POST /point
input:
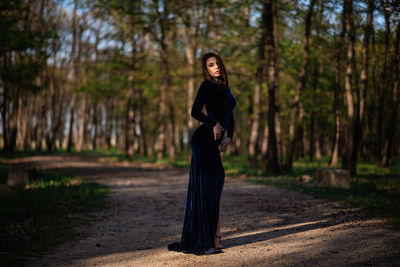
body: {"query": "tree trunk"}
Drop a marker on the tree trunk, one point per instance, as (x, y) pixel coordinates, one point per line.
(171, 124)
(394, 104)
(57, 112)
(273, 164)
(278, 127)
(370, 146)
(348, 162)
(81, 124)
(312, 116)
(109, 113)
(4, 113)
(300, 133)
(166, 119)
(264, 145)
(192, 21)
(95, 119)
(190, 120)
(299, 88)
(384, 81)
(71, 125)
(361, 94)
(22, 121)
(254, 128)
(129, 121)
(311, 138)
(334, 160)
(42, 122)
(365, 59)
(140, 114)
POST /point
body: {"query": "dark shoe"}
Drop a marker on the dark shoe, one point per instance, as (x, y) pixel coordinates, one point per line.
(212, 251)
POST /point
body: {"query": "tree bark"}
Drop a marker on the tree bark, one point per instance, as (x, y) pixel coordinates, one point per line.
(4, 108)
(81, 124)
(299, 88)
(130, 104)
(383, 86)
(70, 143)
(348, 161)
(362, 92)
(95, 122)
(140, 114)
(394, 105)
(255, 122)
(109, 111)
(166, 117)
(191, 19)
(129, 121)
(273, 164)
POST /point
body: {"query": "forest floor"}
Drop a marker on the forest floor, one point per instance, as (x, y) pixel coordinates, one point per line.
(261, 225)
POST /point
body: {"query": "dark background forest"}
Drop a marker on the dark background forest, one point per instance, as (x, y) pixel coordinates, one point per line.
(312, 79)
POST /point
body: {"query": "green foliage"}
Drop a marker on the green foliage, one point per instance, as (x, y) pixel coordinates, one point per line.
(105, 80)
(38, 215)
(27, 45)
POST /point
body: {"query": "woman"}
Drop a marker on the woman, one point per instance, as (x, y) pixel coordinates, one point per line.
(201, 228)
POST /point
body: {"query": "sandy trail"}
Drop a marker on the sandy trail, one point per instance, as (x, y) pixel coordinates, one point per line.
(261, 225)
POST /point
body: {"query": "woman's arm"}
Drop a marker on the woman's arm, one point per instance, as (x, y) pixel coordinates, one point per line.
(202, 95)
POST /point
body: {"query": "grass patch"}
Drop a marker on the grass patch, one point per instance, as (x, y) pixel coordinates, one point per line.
(366, 195)
(38, 215)
(115, 155)
(377, 188)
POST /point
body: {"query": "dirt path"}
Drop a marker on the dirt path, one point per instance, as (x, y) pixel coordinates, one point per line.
(261, 225)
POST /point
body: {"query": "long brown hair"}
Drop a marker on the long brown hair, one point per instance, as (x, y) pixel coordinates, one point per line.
(223, 78)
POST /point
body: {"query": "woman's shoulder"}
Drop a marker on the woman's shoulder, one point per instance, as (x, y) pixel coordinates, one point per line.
(205, 88)
(206, 82)
(208, 86)
(212, 84)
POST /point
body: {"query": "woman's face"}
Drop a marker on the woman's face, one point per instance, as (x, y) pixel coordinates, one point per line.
(212, 67)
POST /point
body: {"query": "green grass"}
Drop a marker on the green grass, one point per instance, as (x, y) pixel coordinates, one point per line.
(115, 155)
(36, 215)
(27, 153)
(365, 194)
(376, 189)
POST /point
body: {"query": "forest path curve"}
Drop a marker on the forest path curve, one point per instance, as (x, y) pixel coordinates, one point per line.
(261, 225)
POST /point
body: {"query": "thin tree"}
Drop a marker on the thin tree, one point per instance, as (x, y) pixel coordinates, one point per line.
(394, 104)
(299, 88)
(348, 162)
(273, 164)
(261, 66)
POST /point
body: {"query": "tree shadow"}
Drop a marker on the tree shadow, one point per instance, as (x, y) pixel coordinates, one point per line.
(268, 235)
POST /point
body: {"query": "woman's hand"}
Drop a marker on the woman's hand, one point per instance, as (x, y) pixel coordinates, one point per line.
(217, 131)
(224, 144)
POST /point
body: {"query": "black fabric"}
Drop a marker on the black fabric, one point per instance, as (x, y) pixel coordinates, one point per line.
(207, 175)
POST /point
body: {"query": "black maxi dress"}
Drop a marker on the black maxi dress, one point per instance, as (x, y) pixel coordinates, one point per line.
(207, 175)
